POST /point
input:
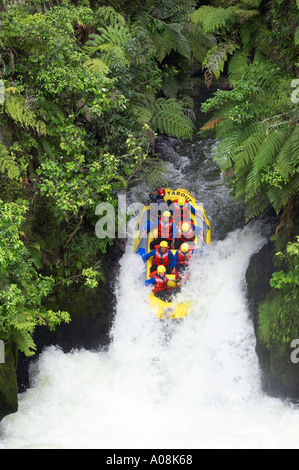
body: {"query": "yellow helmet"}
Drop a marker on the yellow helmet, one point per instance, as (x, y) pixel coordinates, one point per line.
(185, 247)
(161, 269)
(181, 201)
(164, 244)
(166, 214)
(185, 226)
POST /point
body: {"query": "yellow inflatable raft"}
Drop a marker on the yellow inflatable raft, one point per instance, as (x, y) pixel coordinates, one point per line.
(161, 307)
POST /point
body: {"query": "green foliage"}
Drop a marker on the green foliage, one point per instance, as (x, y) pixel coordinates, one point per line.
(120, 45)
(215, 60)
(258, 127)
(213, 19)
(111, 42)
(8, 164)
(22, 113)
(279, 314)
(281, 279)
(87, 89)
(22, 288)
(166, 116)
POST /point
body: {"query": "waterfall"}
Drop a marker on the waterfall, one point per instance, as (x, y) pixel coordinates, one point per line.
(190, 384)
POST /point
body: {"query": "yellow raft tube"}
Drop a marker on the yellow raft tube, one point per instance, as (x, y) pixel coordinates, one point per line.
(162, 308)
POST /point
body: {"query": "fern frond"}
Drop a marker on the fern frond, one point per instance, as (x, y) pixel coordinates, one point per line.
(97, 66)
(170, 87)
(200, 41)
(212, 124)
(245, 15)
(212, 18)
(107, 15)
(143, 114)
(288, 157)
(8, 164)
(111, 42)
(268, 151)
(170, 119)
(244, 154)
(164, 115)
(177, 12)
(252, 3)
(19, 110)
(216, 58)
(167, 37)
(238, 66)
(255, 206)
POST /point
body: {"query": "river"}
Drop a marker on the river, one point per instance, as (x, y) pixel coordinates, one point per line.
(188, 385)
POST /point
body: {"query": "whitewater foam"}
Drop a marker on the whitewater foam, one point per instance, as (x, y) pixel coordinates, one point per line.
(192, 384)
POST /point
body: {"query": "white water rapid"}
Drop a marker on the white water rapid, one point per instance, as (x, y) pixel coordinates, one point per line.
(188, 385)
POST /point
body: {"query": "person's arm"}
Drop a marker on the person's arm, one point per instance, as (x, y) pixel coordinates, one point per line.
(199, 231)
(149, 226)
(150, 281)
(198, 214)
(148, 255)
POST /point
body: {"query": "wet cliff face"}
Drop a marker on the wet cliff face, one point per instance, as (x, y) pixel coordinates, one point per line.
(8, 382)
(280, 375)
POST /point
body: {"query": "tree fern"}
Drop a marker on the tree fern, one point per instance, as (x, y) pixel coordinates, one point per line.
(166, 116)
(110, 42)
(177, 12)
(200, 41)
(8, 164)
(97, 66)
(107, 15)
(238, 66)
(170, 119)
(215, 60)
(215, 19)
(20, 111)
(265, 157)
(164, 38)
(288, 157)
(245, 153)
(212, 18)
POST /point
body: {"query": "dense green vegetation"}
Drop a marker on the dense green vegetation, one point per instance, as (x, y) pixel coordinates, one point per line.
(89, 84)
(257, 123)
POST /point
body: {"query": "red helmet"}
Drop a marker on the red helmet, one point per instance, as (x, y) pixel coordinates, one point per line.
(161, 192)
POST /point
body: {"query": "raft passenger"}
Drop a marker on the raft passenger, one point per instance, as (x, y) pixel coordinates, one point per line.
(162, 255)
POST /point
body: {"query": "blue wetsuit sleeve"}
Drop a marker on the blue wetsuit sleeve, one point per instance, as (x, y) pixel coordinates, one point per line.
(174, 260)
(153, 225)
(148, 255)
(150, 281)
(149, 225)
(146, 226)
